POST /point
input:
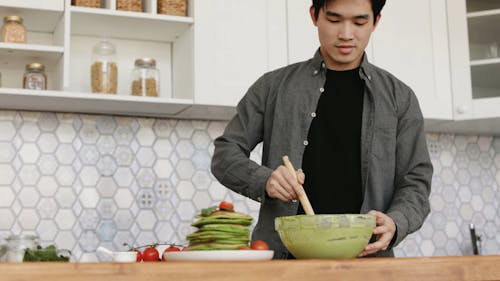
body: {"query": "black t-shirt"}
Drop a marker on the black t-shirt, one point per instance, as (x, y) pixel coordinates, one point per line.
(332, 161)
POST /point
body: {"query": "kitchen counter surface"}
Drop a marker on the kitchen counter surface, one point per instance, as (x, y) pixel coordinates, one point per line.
(374, 269)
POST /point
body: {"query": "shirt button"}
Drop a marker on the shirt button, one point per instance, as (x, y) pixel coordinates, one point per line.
(315, 72)
(306, 142)
(259, 199)
(369, 78)
(313, 114)
(321, 90)
(323, 65)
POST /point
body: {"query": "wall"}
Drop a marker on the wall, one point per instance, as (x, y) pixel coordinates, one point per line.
(85, 181)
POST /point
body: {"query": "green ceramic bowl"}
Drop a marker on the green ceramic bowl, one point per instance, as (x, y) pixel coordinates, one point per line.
(325, 236)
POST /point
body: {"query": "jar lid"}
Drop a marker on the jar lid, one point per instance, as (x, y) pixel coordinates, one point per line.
(13, 18)
(35, 66)
(147, 62)
(22, 237)
(104, 48)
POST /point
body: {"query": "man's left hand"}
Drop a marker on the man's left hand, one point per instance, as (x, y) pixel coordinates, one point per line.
(384, 231)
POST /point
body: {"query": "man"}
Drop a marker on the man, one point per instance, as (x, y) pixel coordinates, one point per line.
(356, 131)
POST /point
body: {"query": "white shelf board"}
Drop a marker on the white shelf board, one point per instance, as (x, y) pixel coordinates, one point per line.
(483, 13)
(34, 19)
(16, 56)
(485, 61)
(57, 101)
(113, 23)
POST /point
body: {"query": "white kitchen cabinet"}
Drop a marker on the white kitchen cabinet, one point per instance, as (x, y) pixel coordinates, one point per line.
(411, 42)
(474, 32)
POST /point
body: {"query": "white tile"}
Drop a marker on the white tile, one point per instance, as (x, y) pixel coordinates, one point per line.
(28, 197)
(202, 200)
(47, 186)
(123, 135)
(89, 197)
(89, 219)
(6, 196)
(47, 164)
(164, 210)
(65, 175)
(47, 230)
(65, 133)
(163, 148)
(146, 219)
(145, 136)
(89, 176)
(7, 174)
(89, 154)
(65, 154)
(7, 131)
(29, 131)
(7, 219)
(29, 175)
(185, 190)
(185, 149)
(164, 127)
(47, 143)
(48, 121)
(7, 152)
(47, 208)
(106, 187)
(105, 124)
(123, 219)
(185, 169)
(65, 219)
(216, 128)
(146, 178)
(123, 177)
(146, 157)
(106, 144)
(186, 210)
(123, 198)
(163, 168)
(65, 240)
(201, 139)
(217, 191)
(123, 156)
(165, 232)
(65, 197)
(184, 129)
(107, 165)
(28, 219)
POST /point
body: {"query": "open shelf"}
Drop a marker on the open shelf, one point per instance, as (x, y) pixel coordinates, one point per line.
(59, 101)
(113, 23)
(44, 18)
(16, 56)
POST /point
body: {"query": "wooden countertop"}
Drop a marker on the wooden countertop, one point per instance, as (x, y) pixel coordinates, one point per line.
(372, 269)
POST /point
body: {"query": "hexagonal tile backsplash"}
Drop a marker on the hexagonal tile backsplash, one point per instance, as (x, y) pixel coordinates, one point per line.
(81, 181)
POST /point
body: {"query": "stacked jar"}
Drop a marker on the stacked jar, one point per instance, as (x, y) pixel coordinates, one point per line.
(13, 30)
(104, 71)
(145, 78)
(34, 78)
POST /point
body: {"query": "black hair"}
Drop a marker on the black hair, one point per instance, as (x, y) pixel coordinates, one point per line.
(377, 6)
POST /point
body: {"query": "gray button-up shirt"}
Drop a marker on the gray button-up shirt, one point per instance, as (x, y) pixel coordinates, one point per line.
(278, 109)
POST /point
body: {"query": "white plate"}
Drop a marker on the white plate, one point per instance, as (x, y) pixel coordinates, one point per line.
(220, 255)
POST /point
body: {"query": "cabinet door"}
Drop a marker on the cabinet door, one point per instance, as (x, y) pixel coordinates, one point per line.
(474, 28)
(411, 43)
(231, 42)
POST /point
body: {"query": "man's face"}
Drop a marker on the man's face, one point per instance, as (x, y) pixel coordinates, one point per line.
(344, 29)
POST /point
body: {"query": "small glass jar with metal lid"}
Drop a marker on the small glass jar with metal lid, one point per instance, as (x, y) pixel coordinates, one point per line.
(34, 77)
(145, 78)
(13, 30)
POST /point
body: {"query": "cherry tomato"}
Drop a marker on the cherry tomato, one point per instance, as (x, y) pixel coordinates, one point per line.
(150, 254)
(259, 245)
(224, 205)
(172, 248)
(139, 256)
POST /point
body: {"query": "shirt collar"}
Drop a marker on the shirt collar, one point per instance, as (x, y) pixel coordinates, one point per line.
(366, 68)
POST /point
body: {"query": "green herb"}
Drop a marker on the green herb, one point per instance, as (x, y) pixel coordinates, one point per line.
(44, 254)
(208, 211)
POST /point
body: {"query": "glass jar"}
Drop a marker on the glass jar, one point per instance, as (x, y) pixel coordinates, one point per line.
(104, 71)
(17, 245)
(145, 78)
(13, 30)
(34, 78)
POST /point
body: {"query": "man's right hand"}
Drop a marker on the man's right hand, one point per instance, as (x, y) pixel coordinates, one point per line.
(282, 184)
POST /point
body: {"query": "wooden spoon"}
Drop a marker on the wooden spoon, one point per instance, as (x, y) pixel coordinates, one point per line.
(302, 194)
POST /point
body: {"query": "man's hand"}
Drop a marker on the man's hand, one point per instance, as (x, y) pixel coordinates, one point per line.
(282, 184)
(384, 230)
